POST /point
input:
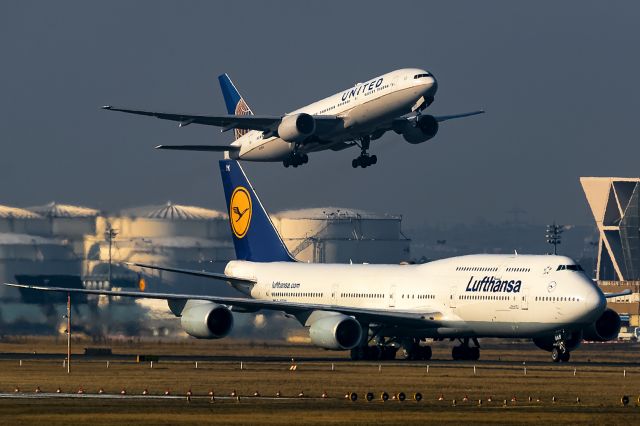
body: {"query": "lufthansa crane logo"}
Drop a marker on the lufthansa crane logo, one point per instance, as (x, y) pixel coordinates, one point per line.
(240, 211)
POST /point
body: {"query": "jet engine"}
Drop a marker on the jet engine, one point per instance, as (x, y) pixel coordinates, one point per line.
(296, 128)
(338, 332)
(605, 328)
(425, 128)
(206, 320)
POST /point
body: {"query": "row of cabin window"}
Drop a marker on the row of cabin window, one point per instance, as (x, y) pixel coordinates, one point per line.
(482, 297)
(557, 299)
(363, 295)
(476, 268)
(295, 294)
(420, 296)
(518, 270)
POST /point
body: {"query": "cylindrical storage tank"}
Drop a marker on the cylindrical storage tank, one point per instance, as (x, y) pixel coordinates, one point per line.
(68, 221)
(340, 235)
(22, 221)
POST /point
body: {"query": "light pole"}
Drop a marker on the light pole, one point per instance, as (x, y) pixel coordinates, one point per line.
(554, 235)
(110, 234)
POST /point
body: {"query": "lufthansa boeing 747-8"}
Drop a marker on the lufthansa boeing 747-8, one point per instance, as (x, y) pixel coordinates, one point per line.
(374, 310)
(352, 117)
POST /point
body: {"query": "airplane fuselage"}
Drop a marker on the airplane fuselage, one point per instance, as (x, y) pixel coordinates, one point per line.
(475, 296)
(363, 108)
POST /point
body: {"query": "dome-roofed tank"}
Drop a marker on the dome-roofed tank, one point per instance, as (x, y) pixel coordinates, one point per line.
(68, 221)
(57, 210)
(336, 234)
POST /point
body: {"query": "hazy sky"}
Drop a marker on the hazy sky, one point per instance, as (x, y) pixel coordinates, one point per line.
(559, 82)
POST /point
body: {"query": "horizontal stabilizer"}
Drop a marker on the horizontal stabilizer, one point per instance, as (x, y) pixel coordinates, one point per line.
(211, 148)
(194, 272)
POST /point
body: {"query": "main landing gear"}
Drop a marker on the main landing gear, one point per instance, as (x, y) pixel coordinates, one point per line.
(466, 352)
(296, 160)
(364, 160)
(373, 353)
(411, 350)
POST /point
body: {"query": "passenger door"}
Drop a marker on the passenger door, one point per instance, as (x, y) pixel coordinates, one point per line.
(392, 296)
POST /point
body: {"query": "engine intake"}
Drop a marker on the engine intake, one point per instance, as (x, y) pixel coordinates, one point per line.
(296, 128)
(605, 328)
(425, 128)
(338, 332)
(206, 320)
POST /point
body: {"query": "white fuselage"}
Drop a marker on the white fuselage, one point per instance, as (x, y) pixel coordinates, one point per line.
(467, 296)
(364, 108)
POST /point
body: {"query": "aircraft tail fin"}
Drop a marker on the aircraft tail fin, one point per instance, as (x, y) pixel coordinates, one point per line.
(254, 236)
(234, 101)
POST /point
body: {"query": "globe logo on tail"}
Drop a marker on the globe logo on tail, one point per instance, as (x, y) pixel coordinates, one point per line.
(240, 211)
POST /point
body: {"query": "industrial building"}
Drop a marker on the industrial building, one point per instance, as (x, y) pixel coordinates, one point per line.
(60, 244)
(615, 204)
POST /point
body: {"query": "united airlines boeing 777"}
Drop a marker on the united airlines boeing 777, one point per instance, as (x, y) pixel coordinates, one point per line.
(374, 310)
(354, 116)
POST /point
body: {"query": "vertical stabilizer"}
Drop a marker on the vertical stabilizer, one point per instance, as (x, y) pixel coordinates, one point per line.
(235, 103)
(254, 236)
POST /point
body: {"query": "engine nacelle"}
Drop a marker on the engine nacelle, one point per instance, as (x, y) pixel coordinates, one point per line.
(206, 320)
(571, 343)
(296, 128)
(338, 332)
(426, 128)
(605, 328)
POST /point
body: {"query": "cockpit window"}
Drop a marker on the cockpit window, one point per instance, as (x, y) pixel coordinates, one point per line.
(421, 75)
(569, 268)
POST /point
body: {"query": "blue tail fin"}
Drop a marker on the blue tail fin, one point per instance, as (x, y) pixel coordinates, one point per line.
(254, 236)
(236, 104)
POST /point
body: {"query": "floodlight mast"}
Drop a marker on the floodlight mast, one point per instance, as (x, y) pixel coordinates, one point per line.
(554, 235)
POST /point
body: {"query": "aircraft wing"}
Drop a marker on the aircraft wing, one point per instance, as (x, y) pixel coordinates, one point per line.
(398, 318)
(441, 118)
(621, 293)
(265, 123)
(249, 122)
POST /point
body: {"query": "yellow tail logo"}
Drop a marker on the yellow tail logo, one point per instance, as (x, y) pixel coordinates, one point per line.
(240, 211)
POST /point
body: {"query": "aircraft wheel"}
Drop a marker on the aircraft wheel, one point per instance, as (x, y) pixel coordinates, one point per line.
(564, 357)
(555, 355)
(456, 353)
(374, 159)
(354, 163)
(425, 353)
(374, 352)
(474, 354)
(305, 159)
(357, 354)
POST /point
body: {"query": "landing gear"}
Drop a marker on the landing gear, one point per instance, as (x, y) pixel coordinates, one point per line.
(559, 354)
(466, 352)
(412, 350)
(560, 351)
(364, 160)
(373, 353)
(296, 160)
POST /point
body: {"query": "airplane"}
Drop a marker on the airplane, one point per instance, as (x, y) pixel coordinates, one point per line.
(375, 310)
(352, 117)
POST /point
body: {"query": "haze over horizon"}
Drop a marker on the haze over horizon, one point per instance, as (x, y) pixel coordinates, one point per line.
(558, 82)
